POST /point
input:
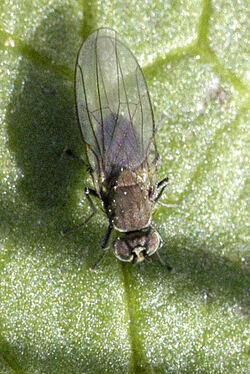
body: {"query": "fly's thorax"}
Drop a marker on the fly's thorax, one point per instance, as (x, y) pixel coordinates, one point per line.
(137, 246)
(129, 203)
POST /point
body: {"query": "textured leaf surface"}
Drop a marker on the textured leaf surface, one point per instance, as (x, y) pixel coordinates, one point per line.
(56, 316)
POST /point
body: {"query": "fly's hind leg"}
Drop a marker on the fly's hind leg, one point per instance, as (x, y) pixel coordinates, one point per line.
(67, 151)
(88, 192)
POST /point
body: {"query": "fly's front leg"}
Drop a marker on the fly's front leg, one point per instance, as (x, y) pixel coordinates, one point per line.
(166, 265)
(104, 246)
(107, 236)
(88, 192)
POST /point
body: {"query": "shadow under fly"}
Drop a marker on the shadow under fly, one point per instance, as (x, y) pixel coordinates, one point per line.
(117, 124)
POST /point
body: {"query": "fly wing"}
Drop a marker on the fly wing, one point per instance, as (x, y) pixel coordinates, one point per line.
(113, 105)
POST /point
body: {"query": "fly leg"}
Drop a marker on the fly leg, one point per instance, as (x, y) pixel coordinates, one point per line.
(88, 192)
(163, 262)
(67, 151)
(104, 247)
(162, 185)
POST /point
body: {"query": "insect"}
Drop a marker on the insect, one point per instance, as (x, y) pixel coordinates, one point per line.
(117, 124)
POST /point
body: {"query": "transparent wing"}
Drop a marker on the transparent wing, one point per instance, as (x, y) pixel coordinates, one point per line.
(113, 105)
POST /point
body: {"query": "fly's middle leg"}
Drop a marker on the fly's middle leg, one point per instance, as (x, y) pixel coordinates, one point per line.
(88, 192)
(161, 186)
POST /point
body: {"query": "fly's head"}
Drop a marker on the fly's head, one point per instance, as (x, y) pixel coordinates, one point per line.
(137, 246)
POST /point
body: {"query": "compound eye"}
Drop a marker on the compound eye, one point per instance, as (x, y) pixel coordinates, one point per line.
(122, 250)
(153, 242)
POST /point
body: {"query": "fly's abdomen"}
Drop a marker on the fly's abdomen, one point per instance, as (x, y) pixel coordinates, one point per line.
(113, 105)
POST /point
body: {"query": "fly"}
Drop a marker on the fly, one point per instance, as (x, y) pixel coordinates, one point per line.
(117, 124)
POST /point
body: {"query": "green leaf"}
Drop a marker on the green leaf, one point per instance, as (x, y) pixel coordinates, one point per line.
(56, 315)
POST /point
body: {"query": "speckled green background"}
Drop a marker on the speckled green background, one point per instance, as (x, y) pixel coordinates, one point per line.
(56, 316)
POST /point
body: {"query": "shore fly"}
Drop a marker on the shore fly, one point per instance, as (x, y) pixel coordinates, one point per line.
(117, 124)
